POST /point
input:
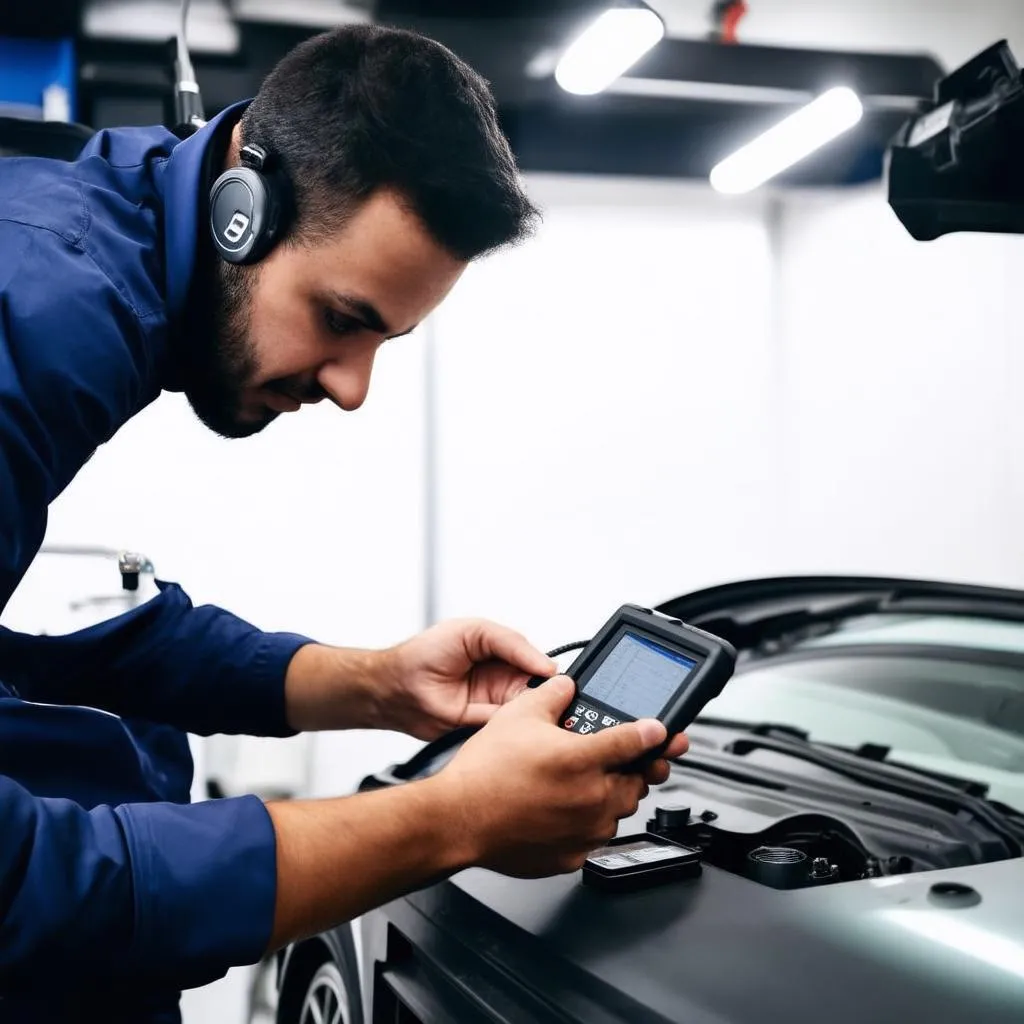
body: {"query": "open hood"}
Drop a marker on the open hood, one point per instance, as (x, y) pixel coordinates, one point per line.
(751, 613)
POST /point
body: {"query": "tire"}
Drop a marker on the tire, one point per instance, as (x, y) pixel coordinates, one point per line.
(316, 989)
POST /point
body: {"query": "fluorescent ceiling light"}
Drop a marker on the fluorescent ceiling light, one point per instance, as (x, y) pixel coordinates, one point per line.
(610, 46)
(308, 13)
(792, 139)
(210, 28)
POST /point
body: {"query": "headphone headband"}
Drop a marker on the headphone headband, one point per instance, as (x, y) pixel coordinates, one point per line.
(253, 156)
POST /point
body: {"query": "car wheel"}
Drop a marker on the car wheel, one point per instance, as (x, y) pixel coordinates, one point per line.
(315, 989)
(326, 1000)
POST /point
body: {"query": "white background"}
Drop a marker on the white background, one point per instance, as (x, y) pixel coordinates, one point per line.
(662, 391)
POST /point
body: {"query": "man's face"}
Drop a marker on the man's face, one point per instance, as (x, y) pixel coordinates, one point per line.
(305, 323)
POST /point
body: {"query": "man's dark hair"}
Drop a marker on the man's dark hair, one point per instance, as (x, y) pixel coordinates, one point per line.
(364, 107)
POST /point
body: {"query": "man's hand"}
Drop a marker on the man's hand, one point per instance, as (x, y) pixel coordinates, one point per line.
(522, 796)
(456, 673)
(535, 799)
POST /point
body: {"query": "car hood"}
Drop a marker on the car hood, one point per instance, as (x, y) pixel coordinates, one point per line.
(751, 611)
(942, 943)
(728, 948)
(722, 948)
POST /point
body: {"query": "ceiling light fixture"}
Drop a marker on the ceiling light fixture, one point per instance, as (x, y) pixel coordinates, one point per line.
(813, 126)
(211, 29)
(612, 44)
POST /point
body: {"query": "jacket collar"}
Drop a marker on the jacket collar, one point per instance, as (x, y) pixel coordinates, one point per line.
(190, 172)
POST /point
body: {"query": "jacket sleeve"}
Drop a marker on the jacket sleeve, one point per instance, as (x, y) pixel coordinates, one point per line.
(71, 373)
(141, 893)
(200, 669)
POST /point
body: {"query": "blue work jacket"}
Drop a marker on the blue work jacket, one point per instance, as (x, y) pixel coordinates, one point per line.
(115, 891)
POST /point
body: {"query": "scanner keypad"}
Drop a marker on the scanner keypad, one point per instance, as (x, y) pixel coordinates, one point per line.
(584, 719)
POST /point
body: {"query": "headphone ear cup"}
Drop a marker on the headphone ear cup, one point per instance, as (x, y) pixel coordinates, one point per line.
(244, 215)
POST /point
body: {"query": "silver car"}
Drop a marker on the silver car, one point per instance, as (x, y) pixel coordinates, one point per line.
(856, 795)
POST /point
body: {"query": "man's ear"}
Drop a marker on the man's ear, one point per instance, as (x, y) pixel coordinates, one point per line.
(234, 147)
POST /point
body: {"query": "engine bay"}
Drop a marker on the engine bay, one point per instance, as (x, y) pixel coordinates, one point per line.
(788, 815)
(800, 852)
(790, 824)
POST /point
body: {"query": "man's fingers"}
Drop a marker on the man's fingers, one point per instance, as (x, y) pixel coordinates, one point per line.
(679, 746)
(479, 714)
(622, 744)
(629, 790)
(657, 772)
(486, 640)
(547, 701)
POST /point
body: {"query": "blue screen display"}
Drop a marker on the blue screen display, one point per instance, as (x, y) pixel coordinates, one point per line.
(638, 676)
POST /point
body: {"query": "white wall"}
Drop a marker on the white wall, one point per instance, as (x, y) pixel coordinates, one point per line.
(901, 364)
(605, 429)
(665, 390)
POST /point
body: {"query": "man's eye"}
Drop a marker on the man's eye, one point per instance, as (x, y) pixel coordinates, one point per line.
(340, 324)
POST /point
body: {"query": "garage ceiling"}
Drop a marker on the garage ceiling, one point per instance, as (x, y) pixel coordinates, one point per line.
(678, 111)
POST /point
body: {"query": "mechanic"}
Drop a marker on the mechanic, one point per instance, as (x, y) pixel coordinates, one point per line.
(115, 891)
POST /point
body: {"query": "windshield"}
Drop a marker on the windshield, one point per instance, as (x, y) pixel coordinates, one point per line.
(947, 630)
(953, 714)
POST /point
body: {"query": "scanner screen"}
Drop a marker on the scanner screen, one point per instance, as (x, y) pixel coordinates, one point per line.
(638, 676)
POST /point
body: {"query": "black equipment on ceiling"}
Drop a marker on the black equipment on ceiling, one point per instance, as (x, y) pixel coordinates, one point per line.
(957, 166)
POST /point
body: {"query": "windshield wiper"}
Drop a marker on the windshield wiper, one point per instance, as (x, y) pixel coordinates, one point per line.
(869, 751)
(755, 728)
(884, 777)
(880, 754)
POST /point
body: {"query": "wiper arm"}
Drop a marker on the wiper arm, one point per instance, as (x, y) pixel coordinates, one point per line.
(934, 793)
(693, 762)
(869, 751)
(880, 753)
(755, 728)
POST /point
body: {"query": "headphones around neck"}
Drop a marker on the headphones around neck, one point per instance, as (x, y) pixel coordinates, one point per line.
(249, 207)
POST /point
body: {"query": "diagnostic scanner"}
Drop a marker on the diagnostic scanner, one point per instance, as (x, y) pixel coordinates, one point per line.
(645, 665)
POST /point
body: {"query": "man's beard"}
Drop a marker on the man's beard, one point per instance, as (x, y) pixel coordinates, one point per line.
(223, 363)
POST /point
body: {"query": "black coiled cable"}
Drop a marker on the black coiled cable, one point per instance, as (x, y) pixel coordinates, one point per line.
(564, 649)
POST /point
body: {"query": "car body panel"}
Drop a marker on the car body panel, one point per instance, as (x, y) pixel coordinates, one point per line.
(723, 948)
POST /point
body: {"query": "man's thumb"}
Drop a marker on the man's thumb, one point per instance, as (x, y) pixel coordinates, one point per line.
(623, 744)
(550, 699)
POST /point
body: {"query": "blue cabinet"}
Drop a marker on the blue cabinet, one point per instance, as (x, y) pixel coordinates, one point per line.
(37, 78)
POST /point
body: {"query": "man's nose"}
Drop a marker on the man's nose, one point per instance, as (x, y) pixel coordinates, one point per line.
(347, 380)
